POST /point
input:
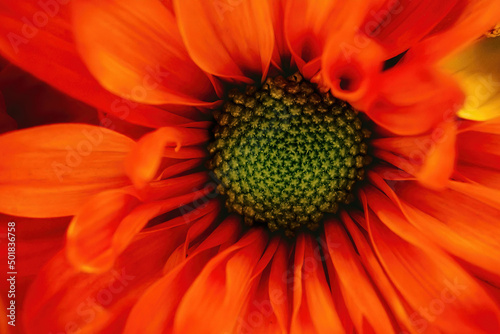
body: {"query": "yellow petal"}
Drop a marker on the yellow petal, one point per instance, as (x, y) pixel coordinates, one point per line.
(478, 72)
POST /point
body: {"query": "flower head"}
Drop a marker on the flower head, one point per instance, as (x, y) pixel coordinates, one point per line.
(340, 132)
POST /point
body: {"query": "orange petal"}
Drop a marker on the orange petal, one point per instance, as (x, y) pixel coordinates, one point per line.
(489, 178)
(62, 297)
(48, 51)
(281, 56)
(481, 149)
(362, 301)
(430, 158)
(443, 294)
(257, 314)
(466, 23)
(352, 61)
(134, 49)
(36, 243)
(300, 321)
(479, 192)
(168, 4)
(224, 238)
(143, 162)
(50, 171)
(440, 162)
(313, 307)
(106, 225)
(410, 100)
(435, 214)
(398, 25)
(201, 220)
(351, 74)
(221, 288)
(278, 287)
(266, 258)
(230, 39)
(180, 167)
(167, 292)
(339, 302)
(86, 236)
(398, 306)
(303, 36)
(308, 24)
(171, 187)
(209, 213)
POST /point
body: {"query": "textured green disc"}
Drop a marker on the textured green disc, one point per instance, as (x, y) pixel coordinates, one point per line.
(286, 154)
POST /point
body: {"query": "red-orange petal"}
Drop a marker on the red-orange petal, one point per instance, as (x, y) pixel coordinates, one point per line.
(106, 225)
(350, 74)
(50, 171)
(281, 55)
(430, 158)
(134, 49)
(279, 296)
(479, 148)
(435, 214)
(306, 31)
(36, 243)
(444, 295)
(486, 177)
(222, 288)
(466, 22)
(313, 307)
(311, 25)
(440, 162)
(168, 291)
(230, 39)
(63, 298)
(399, 25)
(398, 307)
(257, 314)
(48, 51)
(410, 100)
(144, 160)
(361, 298)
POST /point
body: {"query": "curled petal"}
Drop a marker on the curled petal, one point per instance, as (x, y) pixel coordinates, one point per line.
(143, 162)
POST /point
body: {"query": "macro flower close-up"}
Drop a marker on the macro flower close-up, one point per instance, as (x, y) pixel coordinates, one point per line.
(250, 166)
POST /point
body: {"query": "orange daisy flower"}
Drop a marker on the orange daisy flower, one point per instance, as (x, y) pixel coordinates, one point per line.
(284, 166)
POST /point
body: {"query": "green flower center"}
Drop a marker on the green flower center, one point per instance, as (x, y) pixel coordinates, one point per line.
(286, 154)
